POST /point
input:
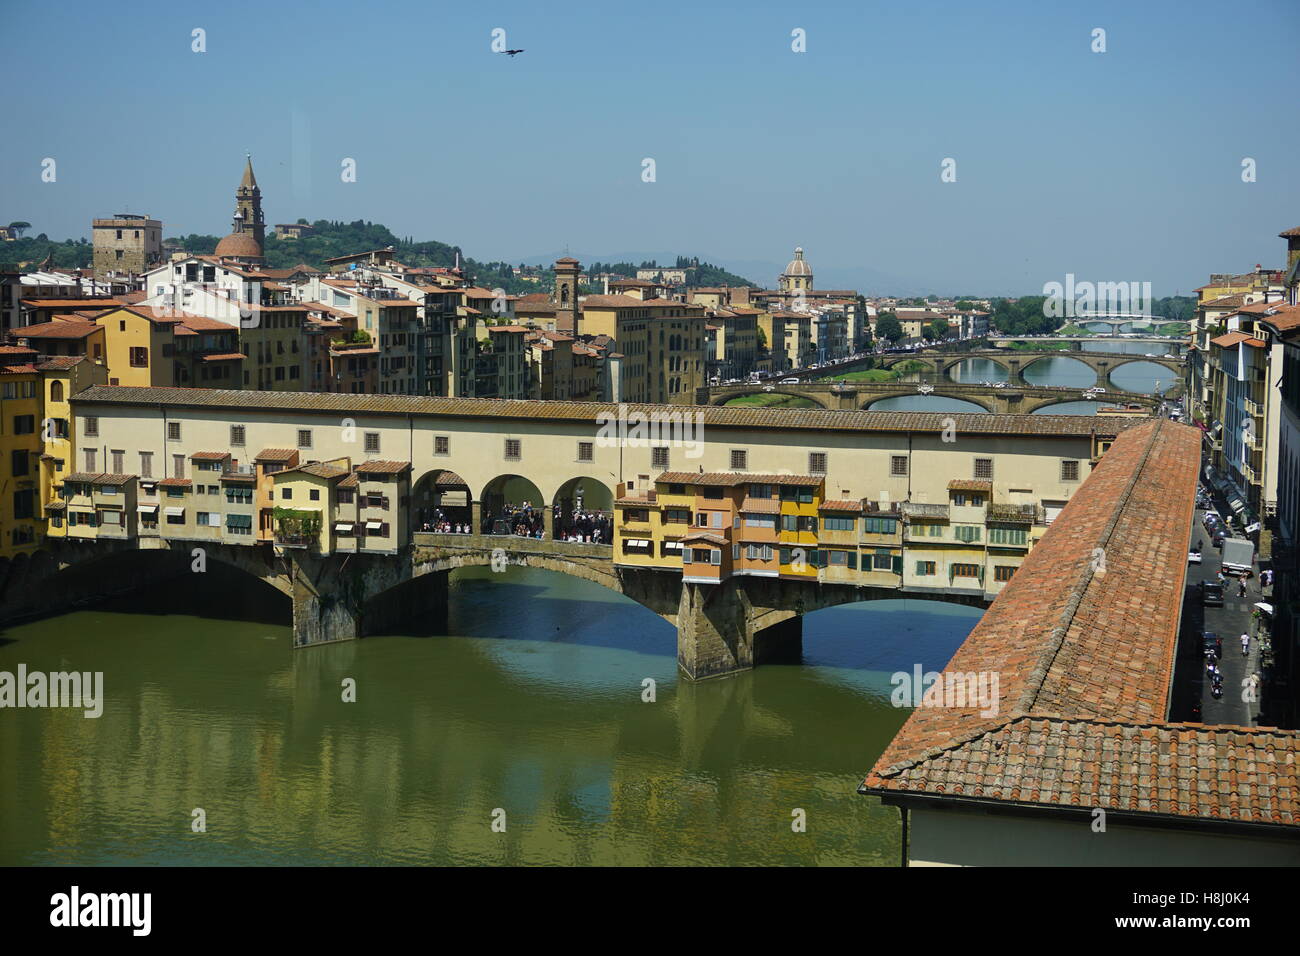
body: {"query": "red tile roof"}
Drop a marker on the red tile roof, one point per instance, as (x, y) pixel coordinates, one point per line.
(1083, 648)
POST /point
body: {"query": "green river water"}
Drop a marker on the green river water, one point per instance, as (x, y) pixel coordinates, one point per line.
(532, 705)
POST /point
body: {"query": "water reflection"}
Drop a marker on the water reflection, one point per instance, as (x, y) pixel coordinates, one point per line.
(533, 705)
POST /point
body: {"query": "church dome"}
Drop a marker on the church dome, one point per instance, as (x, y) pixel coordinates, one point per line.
(798, 266)
(239, 245)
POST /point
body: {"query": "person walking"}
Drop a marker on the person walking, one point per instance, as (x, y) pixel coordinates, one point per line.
(1245, 643)
(1241, 588)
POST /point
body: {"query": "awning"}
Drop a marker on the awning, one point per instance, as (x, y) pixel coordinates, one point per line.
(152, 509)
(374, 526)
(343, 527)
(1265, 607)
(239, 521)
(174, 512)
(639, 543)
(672, 546)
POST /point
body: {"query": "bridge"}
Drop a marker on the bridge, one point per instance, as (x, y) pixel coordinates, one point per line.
(1176, 344)
(1015, 363)
(1010, 400)
(549, 453)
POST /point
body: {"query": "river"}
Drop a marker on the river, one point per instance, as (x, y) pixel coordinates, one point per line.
(531, 704)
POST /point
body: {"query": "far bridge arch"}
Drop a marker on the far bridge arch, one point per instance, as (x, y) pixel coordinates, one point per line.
(808, 394)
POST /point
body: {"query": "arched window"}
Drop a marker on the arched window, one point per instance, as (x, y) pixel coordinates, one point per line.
(56, 391)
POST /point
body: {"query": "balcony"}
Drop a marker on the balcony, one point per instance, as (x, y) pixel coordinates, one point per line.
(1014, 514)
(913, 510)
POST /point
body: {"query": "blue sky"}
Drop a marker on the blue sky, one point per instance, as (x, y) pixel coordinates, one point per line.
(1116, 166)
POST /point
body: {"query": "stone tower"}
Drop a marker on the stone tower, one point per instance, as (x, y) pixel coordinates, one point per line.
(248, 231)
(565, 297)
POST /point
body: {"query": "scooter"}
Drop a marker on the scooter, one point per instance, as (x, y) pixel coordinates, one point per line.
(1217, 689)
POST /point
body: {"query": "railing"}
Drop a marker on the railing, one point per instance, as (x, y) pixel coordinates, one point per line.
(289, 540)
(510, 542)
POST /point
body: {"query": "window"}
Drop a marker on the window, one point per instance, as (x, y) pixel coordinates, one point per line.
(89, 454)
(739, 459)
(119, 461)
(237, 435)
(881, 561)
(24, 424)
(817, 462)
(178, 466)
(314, 494)
(304, 438)
(984, 468)
(1008, 536)
(898, 466)
(372, 442)
(139, 357)
(344, 496)
(173, 431)
(585, 450)
(56, 391)
(659, 458)
(146, 464)
(760, 491)
(1003, 572)
(286, 494)
(20, 462)
(924, 568)
(441, 445)
(965, 570)
(838, 524)
(1069, 471)
(967, 532)
(879, 525)
(91, 425)
(513, 449)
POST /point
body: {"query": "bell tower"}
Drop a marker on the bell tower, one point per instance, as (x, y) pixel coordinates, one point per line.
(565, 297)
(248, 206)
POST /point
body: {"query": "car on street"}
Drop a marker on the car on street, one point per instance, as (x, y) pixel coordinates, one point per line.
(1193, 557)
(1210, 643)
(1211, 594)
(789, 381)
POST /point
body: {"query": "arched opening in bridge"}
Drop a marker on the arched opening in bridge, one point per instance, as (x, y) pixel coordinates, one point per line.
(1055, 369)
(773, 399)
(441, 501)
(166, 582)
(1069, 408)
(511, 504)
(922, 403)
(973, 371)
(865, 642)
(1145, 377)
(584, 511)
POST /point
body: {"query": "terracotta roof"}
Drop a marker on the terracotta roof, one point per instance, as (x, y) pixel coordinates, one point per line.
(704, 536)
(1289, 233)
(1085, 659)
(276, 454)
(730, 479)
(209, 456)
(201, 323)
(611, 302)
(223, 357)
(841, 504)
(55, 362)
(970, 484)
(57, 330)
(174, 483)
(109, 478)
(382, 467)
(317, 469)
(1232, 338)
(812, 419)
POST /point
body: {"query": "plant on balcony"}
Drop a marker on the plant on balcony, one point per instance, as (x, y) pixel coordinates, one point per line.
(294, 525)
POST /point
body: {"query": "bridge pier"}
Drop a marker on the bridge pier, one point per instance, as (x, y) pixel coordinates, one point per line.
(330, 595)
(713, 637)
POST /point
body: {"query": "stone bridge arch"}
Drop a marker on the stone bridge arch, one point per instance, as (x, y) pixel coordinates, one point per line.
(985, 403)
(794, 392)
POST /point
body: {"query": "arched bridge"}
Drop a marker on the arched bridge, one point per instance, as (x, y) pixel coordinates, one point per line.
(1015, 363)
(1009, 400)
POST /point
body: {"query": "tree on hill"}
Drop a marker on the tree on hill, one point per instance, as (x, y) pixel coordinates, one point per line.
(19, 227)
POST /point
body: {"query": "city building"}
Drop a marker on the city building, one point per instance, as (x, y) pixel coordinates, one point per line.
(126, 243)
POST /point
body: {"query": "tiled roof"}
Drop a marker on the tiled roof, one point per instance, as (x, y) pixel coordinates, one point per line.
(814, 419)
(174, 483)
(209, 456)
(704, 536)
(54, 362)
(382, 467)
(841, 504)
(970, 484)
(275, 454)
(729, 479)
(1083, 641)
(57, 330)
(317, 469)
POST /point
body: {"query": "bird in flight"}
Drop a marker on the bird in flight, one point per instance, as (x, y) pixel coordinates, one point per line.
(512, 53)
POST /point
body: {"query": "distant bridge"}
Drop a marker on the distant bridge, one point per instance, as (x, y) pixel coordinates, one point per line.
(1015, 363)
(1009, 400)
(1174, 343)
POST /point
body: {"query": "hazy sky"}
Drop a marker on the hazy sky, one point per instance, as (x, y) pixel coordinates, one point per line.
(1115, 166)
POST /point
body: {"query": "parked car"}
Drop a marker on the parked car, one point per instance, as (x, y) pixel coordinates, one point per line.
(1193, 557)
(1211, 594)
(789, 381)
